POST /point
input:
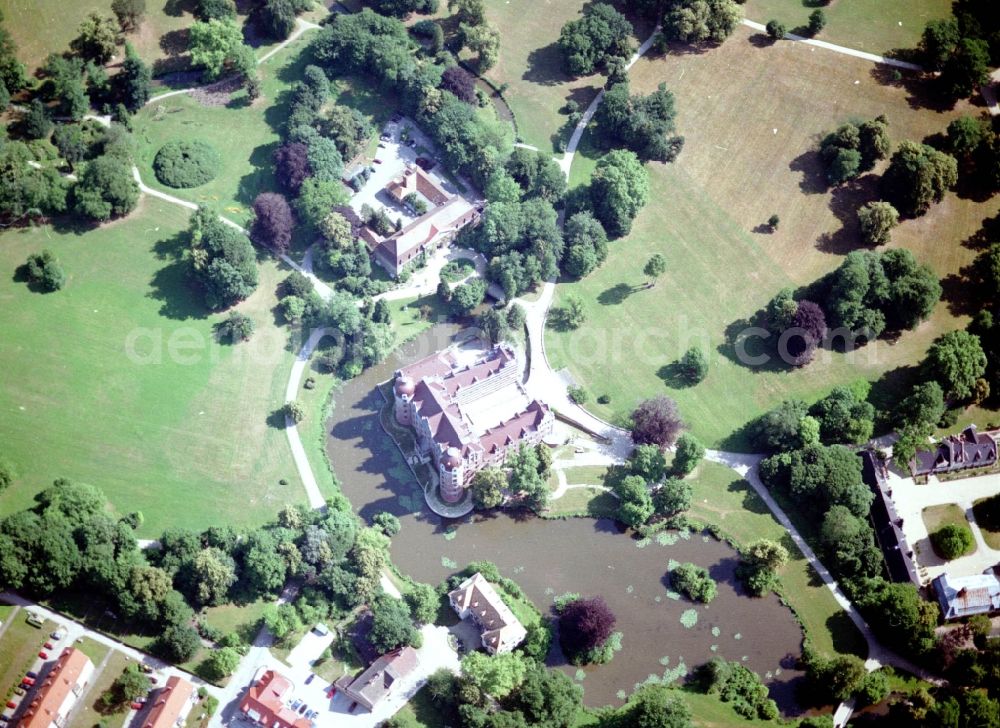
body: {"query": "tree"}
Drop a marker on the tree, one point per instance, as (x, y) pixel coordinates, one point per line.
(781, 311)
(698, 21)
(215, 44)
(487, 488)
(178, 642)
(495, 676)
(44, 270)
(7, 473)
(693, 366)
(592, 40)
(423, 602)
(844, 416)
(97, 39)
(572, 312)
(689, 453)
(460, 82)
(938, 41)
(337, 231)
(526, 479)
(967, 68)
(585, 625)
(387, 523)
(656, 421)
(129, 13)
(273, 223)
(849, 543)
(548, 698)
(317, 198)
(37, 124)
(277, 18)
(106, 188)
(648, 462)
(760, 561)
(877, 219)
(134, 78)
(618, 190)
(918, 175)
(468, 296)
(493, 324)
(586, 244)
(922, 408)
(291, 166)
(873, 141)
(635, 506)
(776, 29)
(264, 568)
(236, 327)
(222, 260)
(11, 69)
(844, 165)
(694, 582)
(656, 706)
(955, 361)
(817, 21)
(952, 541)
(392, 625)
(213, 573)
(672, 497)
(484, 41)
(221, 663)
(128, 686)
(655, 267)
(294, 411)
(839, 677)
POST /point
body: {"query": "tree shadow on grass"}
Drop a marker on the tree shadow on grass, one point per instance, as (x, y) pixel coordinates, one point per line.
(673, 376)
(175, 42)
(810, 164)
(845, 201)
(751, 501)
(21, 276)
(171, 284)
(177, 8)
(261, 179)
(761, 40)
(545, 66)
(923, 91)
(616, 294)
(846, 637)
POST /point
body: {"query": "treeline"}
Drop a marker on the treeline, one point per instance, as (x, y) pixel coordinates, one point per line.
(70, 541)
(963, 47)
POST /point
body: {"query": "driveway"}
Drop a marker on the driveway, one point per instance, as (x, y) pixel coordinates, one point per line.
(911, 499)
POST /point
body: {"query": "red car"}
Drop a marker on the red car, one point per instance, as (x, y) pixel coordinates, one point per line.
(331, 692)
(44, 655)
(48, 645)
(27, 681)
(11, 704)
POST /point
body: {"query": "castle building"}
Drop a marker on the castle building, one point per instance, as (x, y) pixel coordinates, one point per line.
(476, 599)
(468, 415)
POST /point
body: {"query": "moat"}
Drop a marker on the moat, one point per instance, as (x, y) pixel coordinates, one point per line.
(661, 633)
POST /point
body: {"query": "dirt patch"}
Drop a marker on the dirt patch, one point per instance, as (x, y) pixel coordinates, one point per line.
(219, 93)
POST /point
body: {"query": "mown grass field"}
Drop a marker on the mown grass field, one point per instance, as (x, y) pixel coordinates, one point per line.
(86, 714)
(875, 26)
(531, 64)
(117, 380)
(937, 517)
(752, 118)
(18, 647)
(722, 498)
(987, 513)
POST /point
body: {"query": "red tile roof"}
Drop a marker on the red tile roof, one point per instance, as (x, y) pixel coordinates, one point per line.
(266, 702)
(59, 683)
(170, 703)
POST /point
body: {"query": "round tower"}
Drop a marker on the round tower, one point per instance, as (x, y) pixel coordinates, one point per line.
(452, 473)
(403, 393)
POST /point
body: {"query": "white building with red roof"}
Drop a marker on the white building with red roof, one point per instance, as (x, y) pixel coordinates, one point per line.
(268, 703)
(476, 599)
(468, 416)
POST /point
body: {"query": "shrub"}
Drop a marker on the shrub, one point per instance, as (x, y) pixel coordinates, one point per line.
(295, 411)
(7, 473)
(183, 164)
(951, 541)
(44, 270)
(877, 219)
(694, 582)
(235, 327)
(585, 626)
(273, 222)
(689, 453)
(578, 394)
(693, 365)
(776, 29)
(817, 21)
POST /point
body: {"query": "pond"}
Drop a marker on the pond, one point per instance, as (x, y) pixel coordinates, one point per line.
(663, 634)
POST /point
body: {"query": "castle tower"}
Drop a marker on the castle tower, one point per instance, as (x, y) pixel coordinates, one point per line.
(451, 472)
(403, 393)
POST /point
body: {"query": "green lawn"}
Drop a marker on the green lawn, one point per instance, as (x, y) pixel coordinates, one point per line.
(117, 381)
(86, 715)
(751, 118)
(875, 26)
(936, 517)
(591, 502)
(722, 498)
(92, 649)
(240, 618)
(420, 712)
(18, 648)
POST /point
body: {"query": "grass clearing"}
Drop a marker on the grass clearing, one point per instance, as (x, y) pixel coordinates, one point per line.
(18, 648)
(420, 712)
(875, 26)
(590, 502)
(179, 429)
(722, 498)
(937, 517)
(86, 715)
(92, 649)
(748, 129)
(987, 513)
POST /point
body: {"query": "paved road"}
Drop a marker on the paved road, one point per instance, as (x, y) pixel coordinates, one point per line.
(840, 49)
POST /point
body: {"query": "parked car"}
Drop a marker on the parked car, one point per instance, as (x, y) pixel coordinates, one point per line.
(43, 654)
(353, 706)
(27, 681)
(58, 634)
(331, 691)
(19, 690)
(32, 674)
(303, 709)
(49, 646)
(34, 620)
(145, 668)
(310, 678)
(11, 704)
(296, 704)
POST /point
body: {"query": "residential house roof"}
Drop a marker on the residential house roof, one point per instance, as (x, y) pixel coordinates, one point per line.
(896, 549)
(59, 683)
(970, 449)
(371, 686)
(961, 596)
(265, 702)
(170, 703)
(501, 630)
